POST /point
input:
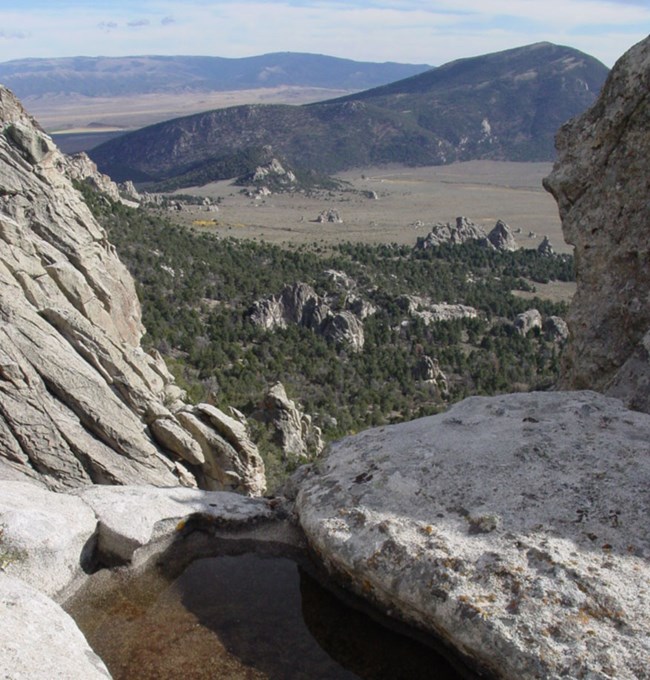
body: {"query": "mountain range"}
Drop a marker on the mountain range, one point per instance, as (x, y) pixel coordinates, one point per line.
(116, 76)
(503, 106)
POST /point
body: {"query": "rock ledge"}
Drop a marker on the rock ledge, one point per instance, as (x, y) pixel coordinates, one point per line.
(515, 527)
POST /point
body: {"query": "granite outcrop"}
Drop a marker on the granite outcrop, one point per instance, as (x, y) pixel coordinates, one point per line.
(500, 237)
(300, 304)
(293, 430)
(514, 527)
(601, 183)
(80, 401)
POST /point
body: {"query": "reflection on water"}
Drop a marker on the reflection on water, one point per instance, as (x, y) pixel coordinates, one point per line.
(245, 617)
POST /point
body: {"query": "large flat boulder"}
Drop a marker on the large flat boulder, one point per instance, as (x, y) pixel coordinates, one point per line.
(132, 516)
(45, 537)
(515, 527)
(39, 641)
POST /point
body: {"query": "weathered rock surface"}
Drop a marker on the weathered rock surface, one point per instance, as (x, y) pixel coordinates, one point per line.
(501, 237)
(344, 328)
(428, 370)
(132, 516)
(601, 183)
(331, 216)
(463, 230)
(79, 167)
(433, 312)
(295, 304)
(39, 641)
(274, 169)
(237, 465)
(128, 191)
(514, 526)
(527, 321)
(545, 248)
(77, 393)
(294, 430)
(460, 232)
(300, 304)
(556, 329)
(45, 537)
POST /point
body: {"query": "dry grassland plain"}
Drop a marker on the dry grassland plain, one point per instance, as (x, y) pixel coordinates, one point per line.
(483, 191)
(68, 113)
(410, 201)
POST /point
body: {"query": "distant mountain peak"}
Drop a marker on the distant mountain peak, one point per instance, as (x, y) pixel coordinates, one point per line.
(114, 76)
(503, 106)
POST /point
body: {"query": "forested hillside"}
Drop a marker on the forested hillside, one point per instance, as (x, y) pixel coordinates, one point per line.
(506, 105)
(197, 292)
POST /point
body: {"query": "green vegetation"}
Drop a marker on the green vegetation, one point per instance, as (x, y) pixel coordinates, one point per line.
(196, 290)
(8, 553)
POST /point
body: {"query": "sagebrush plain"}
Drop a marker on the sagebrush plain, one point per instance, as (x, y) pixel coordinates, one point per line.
(409, 201)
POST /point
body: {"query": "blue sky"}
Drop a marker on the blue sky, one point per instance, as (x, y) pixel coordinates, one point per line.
(416, 31)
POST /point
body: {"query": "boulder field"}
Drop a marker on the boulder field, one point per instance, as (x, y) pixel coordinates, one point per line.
(514, 527)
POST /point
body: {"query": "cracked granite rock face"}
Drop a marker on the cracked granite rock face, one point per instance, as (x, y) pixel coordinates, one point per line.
(514, 527)
(601, 182)
(80, 401)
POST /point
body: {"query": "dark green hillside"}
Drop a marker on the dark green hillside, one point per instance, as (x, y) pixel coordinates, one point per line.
(525, 94)
(196, 291)
(506, 105)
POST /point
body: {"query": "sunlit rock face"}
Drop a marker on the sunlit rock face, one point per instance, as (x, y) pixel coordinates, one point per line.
(79, 398)
(601, 182)
(515, 527)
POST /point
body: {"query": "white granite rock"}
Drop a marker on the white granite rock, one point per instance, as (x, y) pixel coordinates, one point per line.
(44, 536)
(516, 527)
(39, 641)
(77, 392)
(132, 516)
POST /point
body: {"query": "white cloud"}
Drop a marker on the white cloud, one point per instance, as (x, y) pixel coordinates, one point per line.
(424, 31)
(13, 35)
(107, 25)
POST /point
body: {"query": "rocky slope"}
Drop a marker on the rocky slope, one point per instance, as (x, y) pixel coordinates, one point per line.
(506, 105)
(80, 402)
(516, 526)
(601, 182)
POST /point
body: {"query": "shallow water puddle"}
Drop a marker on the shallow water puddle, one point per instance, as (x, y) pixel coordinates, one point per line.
(244, 617)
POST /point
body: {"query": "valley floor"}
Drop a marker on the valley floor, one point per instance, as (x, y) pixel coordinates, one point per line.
(409, 201)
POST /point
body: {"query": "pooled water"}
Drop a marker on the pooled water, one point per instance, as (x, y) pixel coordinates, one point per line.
(244, 617)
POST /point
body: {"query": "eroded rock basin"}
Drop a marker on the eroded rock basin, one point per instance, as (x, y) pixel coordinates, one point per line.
(246, 615)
